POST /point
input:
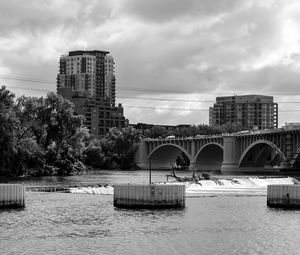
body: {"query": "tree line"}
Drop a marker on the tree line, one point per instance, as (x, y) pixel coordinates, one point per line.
(43, 136)
(191, 131)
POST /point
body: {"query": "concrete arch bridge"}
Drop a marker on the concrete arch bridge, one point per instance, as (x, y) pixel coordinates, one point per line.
(259, 151)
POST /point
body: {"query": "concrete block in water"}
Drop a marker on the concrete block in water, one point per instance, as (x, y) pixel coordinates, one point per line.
(12, 195)
(286, 196)
(149, 196)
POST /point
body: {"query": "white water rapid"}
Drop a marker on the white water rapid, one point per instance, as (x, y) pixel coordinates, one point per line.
(251, 186)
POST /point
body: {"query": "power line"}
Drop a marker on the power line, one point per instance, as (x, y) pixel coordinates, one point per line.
(163, 108)
(163, 99)
(289, 110)
(173, 100)
(189, 100)
(188, 109)
(33, 89)
(18, 78)
(38, 80)
(169, 91)
(156, 99)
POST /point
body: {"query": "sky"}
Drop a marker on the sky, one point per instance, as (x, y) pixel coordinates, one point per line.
(173, 57)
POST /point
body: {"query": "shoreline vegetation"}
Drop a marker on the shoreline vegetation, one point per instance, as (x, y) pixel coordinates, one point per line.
(43, 137)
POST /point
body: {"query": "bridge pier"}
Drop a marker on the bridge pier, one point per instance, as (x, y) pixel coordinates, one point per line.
(141, 156)
(231, 155)
(193, 155)
(192, 166)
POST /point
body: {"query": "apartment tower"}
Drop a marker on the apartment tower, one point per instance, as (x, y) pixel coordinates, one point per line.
(249, 111)
(87, 79)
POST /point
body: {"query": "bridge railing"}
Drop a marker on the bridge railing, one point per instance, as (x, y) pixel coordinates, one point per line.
(242, 133)
(266, 131)
(185, 138)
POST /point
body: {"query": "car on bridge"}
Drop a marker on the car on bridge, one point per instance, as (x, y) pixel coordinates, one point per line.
(170, 137)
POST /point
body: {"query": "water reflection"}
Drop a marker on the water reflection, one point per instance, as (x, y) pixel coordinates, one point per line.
(83, 223)
(57, 223)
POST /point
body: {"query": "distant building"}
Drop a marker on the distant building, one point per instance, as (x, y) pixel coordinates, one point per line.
(250, 111)
(169, 128)
(291, 125)
(87, 79)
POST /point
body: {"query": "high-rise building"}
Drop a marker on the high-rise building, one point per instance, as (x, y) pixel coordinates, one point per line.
(110, 79)
(87, 79)
(249, 111)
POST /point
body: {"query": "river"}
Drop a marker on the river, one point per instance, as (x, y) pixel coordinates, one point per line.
(228, 217)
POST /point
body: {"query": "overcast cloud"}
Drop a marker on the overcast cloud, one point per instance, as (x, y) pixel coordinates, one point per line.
(203, 48)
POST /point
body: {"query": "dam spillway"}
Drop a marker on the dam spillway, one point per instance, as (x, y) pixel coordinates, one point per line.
(250, 186)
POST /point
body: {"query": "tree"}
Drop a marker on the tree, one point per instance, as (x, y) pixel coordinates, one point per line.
(64, 131)
(30, 158)
(94, 155)
(158, 131)
(8, 127)
(147, 133)
(231, 127)
(40, 133)
(120, 146)
(182, 160)
(192, 130)
(6, 99)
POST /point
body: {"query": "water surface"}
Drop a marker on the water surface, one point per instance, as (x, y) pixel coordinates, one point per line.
(67, 223)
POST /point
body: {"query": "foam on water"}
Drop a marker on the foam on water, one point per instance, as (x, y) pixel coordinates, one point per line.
(104, 190)
(235, 186)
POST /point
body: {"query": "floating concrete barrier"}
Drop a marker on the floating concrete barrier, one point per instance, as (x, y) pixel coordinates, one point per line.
(286, 196)
(149, 196)
(12, 195)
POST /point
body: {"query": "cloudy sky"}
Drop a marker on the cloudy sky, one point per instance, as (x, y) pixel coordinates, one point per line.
(173, 57)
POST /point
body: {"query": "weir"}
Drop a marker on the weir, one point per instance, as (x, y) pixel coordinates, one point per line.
(236, 186)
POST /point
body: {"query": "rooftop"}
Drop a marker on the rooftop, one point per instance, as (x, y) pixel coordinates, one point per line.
(88, 52)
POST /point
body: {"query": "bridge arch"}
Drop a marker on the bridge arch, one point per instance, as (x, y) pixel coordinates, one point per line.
(295, 162)
(209, 157)
(165, 155)
(261, 153)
